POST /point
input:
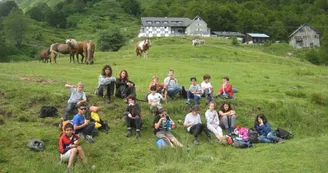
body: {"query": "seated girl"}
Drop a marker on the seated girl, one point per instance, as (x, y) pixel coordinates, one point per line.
(263, 128)
(228, 117)
(124, 87)
(106, 84)
(213, 122)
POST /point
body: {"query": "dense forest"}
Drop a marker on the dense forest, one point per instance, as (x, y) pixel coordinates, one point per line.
(96, 18)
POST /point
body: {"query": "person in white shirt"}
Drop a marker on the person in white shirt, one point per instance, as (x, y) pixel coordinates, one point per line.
(172, 85)
(207, 88)
(154, 100)
(213, 122)
(194, 124)
(194, 91)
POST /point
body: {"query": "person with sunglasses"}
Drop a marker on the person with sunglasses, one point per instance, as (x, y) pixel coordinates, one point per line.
(82, 125)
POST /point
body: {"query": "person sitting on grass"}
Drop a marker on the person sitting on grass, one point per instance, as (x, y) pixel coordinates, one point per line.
(172, 85)
(228, 117)
(106, 84)
(124, 87)
(99, 123)
(69, 147)
(160, 88)
(194, 91)
(77, 97)
(213, 122)
(194, 124)
(82, 125)
(154, 100)
(132, 116)
(161, 131)
(226, 90)
(263, 128)
(207, 88)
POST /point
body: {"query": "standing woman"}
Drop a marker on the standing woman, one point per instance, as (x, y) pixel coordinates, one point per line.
(228, 116)
(124, 87)
(106, 84)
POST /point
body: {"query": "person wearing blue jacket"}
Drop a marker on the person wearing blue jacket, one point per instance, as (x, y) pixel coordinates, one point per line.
(263, 128)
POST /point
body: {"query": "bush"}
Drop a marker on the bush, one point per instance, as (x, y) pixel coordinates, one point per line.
(234, 41)
(296, 93)
(313, 57)
(111, 40)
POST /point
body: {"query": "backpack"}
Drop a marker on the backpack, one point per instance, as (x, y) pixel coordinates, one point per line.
(36, 145)
(161, 143)
(239, 143)
(253, 135)
(48, 111)
(284, 134)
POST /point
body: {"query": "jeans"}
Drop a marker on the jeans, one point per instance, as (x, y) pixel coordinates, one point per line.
(208, 94)
(133, 122)
(69, 108)
(173, 91)
(270, 137)
(196, 98)
(87, 130)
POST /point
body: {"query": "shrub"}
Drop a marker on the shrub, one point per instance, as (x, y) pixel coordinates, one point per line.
(111, 40)
(296, 93)
(234, 41)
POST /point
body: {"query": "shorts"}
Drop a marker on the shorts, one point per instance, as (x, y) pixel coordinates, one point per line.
(65, 157)
(163, 133)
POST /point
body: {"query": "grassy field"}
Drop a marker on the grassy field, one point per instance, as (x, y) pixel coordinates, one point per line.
(292, 93)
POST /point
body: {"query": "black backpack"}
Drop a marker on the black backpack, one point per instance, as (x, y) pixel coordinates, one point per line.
(284, 134)
(36, 145)
(253, 135)
(241, 144)
(48, 111)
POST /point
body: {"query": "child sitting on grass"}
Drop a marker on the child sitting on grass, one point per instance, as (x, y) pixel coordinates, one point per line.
(99, 123)
(69, 147)
(263, 128)
(77, 97)
(194, 91)
(154, 100)
(213, 122)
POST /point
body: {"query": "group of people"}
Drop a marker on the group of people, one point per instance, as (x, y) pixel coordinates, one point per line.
(84, 124)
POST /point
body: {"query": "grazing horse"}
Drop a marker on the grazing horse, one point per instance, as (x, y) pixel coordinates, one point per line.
(197, 41)
(142, 47)
(45, 56)
(59, 48)
(74, 46)
(88, 51)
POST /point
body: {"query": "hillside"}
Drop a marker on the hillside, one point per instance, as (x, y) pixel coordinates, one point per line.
(292, 93)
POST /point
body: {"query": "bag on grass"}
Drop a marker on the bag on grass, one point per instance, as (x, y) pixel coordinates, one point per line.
(161, 143)
(284, 134)
(36, 145)
(239, 143)
(48, 111)
(253, 135)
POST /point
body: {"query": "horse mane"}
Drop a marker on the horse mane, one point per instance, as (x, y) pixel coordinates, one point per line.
(72, 43)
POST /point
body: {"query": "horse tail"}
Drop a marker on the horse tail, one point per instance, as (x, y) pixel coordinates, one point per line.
(89, 51)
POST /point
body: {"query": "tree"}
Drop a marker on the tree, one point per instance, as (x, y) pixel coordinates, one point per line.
(132, 7)
(110, 40)
(323, 52)
(6, 7)
(39, 12)
(16, 26)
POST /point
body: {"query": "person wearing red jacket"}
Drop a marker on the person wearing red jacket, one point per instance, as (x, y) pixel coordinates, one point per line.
(226, 90)
(69, 147)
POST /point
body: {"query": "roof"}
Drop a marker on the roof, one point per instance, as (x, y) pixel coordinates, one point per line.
(300, 28)
(228, 34)
(165, 21)
(258, 35)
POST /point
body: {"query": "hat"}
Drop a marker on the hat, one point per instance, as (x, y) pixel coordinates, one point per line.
(161, 110)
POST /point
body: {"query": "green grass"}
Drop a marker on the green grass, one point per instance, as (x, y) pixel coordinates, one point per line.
(293, 95)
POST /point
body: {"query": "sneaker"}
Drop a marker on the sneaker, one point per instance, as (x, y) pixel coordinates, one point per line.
(196, 141)
(188, 102)
(89, 139)
(281, 141)
(137, 134)
(128, 134)
(81, 135)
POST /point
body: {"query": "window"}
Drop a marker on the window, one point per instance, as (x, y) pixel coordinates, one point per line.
(165, 22)
(311, 44)
(157, 22)
(149, 22)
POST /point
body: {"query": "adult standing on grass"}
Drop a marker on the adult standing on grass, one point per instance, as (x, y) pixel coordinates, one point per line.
(263, 128)
(213, 122)
(124, 87)
(226, 90)
(106, 84)
(132, 116)
(228, 117)
(69, 147)
(82, 125)
(77, 97)
(194, 124)
(161, 131)
(172, 85)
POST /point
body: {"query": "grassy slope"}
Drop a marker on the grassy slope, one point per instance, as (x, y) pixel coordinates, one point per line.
(262, 79)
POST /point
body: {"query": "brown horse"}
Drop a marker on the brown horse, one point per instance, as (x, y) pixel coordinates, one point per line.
(59, 48)
(76, 48)
(143, 47)
(45, 56)
(88, 51)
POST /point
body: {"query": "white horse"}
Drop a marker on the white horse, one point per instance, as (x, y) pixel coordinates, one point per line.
(197, 41)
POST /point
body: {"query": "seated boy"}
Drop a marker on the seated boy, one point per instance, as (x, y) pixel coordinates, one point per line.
(207, 88)
(69, 147)
(194, 91)
(132, 116)
(77, 97)
(82, 125)
(154, 99)
(172, 85)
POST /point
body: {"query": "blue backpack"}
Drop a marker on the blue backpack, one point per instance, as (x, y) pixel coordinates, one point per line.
(161, 143)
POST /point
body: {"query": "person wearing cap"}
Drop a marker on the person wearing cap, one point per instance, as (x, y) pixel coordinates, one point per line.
(132, 116)
(195, 91)
(194, 124)
(161, 131)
